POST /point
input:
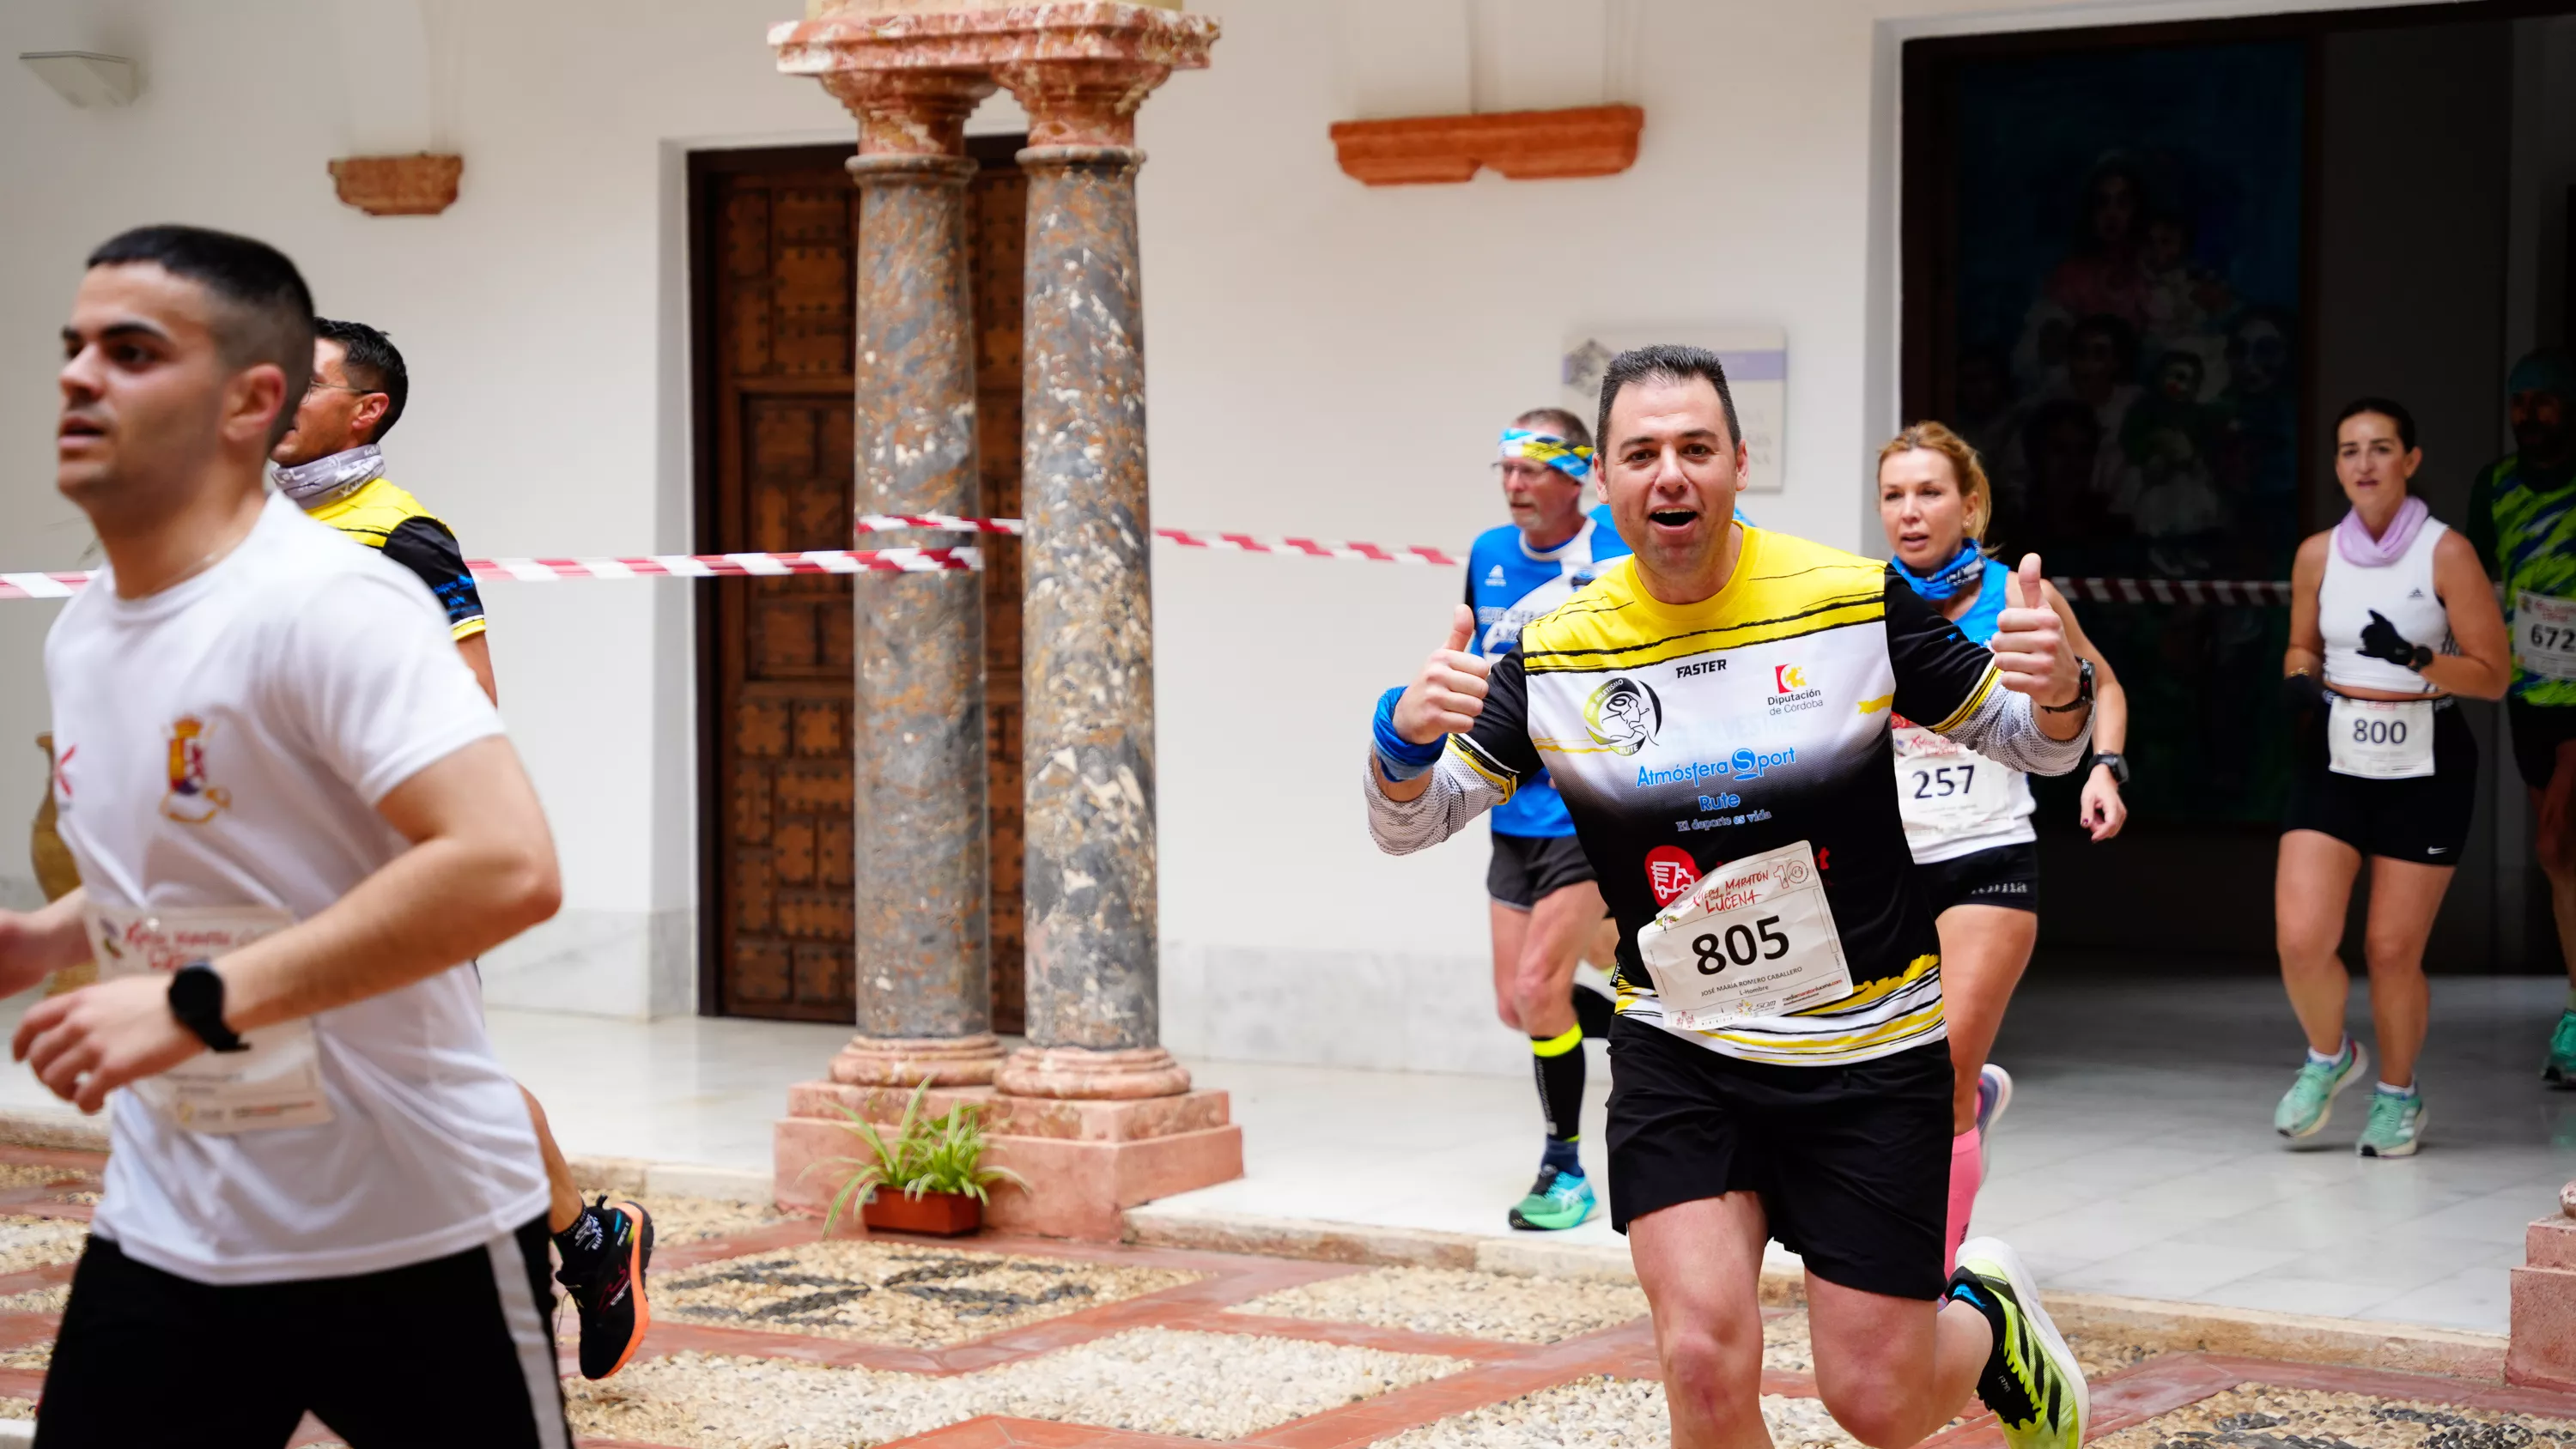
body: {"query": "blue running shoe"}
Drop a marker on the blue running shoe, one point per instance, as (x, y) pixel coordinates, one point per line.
(1558, 1200)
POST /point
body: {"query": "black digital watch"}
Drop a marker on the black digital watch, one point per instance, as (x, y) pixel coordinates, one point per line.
(197, 999)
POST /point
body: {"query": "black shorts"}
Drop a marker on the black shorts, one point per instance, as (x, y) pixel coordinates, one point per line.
(2424, 820)
(455, 1351)
(1526, 869)
(1852, 1162)
(2538, 731)
(2006, 875)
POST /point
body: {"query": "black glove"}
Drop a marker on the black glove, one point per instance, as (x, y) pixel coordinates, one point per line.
(2302, 696)
(2380, 640)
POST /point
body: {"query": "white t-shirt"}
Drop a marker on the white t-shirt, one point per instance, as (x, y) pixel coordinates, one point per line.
(314, 677)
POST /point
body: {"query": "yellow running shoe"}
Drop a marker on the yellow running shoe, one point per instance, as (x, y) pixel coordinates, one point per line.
(2031, 1383)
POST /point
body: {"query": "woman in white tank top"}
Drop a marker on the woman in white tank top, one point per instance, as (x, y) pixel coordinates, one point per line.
(2391, 618)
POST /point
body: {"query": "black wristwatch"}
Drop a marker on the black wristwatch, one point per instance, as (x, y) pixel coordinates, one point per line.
(2083, 692)
(197, 999)
(2118, 763)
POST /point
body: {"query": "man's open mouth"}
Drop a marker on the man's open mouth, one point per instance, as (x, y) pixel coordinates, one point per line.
(1673, 517)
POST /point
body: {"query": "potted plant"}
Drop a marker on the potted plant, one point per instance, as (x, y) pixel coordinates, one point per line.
(935, 1164)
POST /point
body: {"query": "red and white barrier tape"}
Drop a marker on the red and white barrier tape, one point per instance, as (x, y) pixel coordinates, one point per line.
(2253, 592)
(647, 566)
(1234, 542)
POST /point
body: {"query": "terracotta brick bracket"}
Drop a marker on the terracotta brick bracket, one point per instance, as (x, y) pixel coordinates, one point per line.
(422, 185)
(1522, 145)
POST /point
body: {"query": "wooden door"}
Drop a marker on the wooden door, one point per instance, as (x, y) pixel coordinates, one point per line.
(776, 234)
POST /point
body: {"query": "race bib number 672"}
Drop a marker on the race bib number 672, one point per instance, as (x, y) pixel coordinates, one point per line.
(1753, 938)
(2544, 635)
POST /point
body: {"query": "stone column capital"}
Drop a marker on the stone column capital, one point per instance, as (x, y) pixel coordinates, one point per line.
(1080, 68)
(910, 112)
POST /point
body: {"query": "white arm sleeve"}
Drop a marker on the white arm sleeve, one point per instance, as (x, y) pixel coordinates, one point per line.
(1455, 796)
(2004, 729)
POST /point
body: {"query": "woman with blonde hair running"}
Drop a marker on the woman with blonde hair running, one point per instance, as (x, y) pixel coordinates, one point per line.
(1967, 819)
(2391, 618)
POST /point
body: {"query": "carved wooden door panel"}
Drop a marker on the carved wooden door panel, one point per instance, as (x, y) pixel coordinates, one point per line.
(776, 234)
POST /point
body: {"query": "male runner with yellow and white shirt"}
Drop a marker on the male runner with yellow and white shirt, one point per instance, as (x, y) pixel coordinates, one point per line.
(1715, 712)
(331, 466)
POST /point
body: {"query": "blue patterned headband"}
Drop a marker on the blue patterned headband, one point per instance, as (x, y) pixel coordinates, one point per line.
(1571, 459)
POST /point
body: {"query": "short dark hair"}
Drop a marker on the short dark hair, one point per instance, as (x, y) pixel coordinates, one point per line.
(374, 363)
(1665, 362)
(263, 312)
(2389, 408)
(1558, 421)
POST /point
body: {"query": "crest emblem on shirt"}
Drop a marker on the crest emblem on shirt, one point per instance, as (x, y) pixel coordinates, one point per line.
(192, 798)
(1623, 715)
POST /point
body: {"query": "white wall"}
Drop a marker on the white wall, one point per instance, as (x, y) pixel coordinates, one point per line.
(1326, 359)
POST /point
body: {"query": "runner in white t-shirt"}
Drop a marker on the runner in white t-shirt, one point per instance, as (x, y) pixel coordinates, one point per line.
(324, 1193)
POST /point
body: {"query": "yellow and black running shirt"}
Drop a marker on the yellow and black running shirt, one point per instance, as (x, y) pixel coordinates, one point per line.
(1683, 737)
(381, 516)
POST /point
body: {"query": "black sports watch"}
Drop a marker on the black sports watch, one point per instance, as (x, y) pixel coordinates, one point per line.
(197, 999)
(2118, 763)
(2083, 692)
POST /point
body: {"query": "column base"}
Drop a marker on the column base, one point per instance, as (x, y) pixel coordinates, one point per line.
(1083, 1074)
(1086, 1161)
(2542, 1353)
(907, 1061)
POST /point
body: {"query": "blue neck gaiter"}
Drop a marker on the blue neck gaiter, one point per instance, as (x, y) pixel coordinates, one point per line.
(1950, 577)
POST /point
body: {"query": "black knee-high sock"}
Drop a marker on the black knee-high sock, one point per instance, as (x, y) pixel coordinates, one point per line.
(1559, 1062)
(1593, 1012)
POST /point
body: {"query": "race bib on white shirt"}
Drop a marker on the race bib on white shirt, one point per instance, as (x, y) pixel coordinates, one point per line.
(1944, 789)
(2544, 635)
(2380, 739)
(276, 1083)
(1754, 937)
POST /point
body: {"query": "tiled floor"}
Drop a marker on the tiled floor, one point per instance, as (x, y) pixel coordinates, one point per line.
(2138, 1158)
(1448, 1375)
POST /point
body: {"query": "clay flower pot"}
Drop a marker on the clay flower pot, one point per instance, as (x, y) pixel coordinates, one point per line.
(940, 1214)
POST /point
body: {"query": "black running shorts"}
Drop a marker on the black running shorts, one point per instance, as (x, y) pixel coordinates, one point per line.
(2424, 820)
(455, 1351)
(2538, 731)
(1852, 1162)
(1528, 868)
(2007, 876)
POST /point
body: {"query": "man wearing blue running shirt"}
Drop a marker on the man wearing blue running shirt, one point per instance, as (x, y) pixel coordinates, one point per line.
(1545, 906)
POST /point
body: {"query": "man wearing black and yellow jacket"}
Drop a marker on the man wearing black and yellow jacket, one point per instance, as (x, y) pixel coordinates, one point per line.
(331, 465)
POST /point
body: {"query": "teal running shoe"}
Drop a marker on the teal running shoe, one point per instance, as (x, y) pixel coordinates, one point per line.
(1558, 1200)
(2396, 1126)
(2561, 1071)
(2031, 1382)
(2310, 1101)
(1994, 1094)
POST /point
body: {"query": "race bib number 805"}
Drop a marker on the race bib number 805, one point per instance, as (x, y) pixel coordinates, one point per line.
(1753, 938)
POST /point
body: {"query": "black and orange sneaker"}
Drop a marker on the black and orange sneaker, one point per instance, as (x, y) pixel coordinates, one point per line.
(609, 1291)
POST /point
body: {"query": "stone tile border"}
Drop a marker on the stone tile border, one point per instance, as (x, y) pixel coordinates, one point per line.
(2178, 1327)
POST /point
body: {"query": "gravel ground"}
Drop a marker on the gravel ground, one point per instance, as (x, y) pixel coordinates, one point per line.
(1152, 1380)
(38, 1300)
(1785, 1348)
(33, 1356)
(1604, 1412)
(29, 1174)
(896, 1293)
(1461, 1301)
(27, 1242)
(2257, 1416)
(688, 1219)
(17, 1408)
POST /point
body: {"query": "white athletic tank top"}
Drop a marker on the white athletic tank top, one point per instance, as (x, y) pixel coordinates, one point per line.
(2402, 593)
(1954, 801)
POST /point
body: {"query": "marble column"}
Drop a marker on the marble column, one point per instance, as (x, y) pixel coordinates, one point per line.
(924, 985)
(1088, 738)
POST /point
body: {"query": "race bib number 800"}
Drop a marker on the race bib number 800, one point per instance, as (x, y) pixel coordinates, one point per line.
(1753, 938)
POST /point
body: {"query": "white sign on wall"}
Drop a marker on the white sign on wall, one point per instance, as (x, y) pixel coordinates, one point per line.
(1757, 373)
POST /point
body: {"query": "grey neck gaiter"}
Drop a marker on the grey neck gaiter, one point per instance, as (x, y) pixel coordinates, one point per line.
(313, 484)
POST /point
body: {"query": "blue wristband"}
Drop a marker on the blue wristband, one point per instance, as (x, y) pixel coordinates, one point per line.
(1399, 757)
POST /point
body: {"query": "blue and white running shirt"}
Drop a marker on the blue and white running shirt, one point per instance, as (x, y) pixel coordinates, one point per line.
(1509, 584)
